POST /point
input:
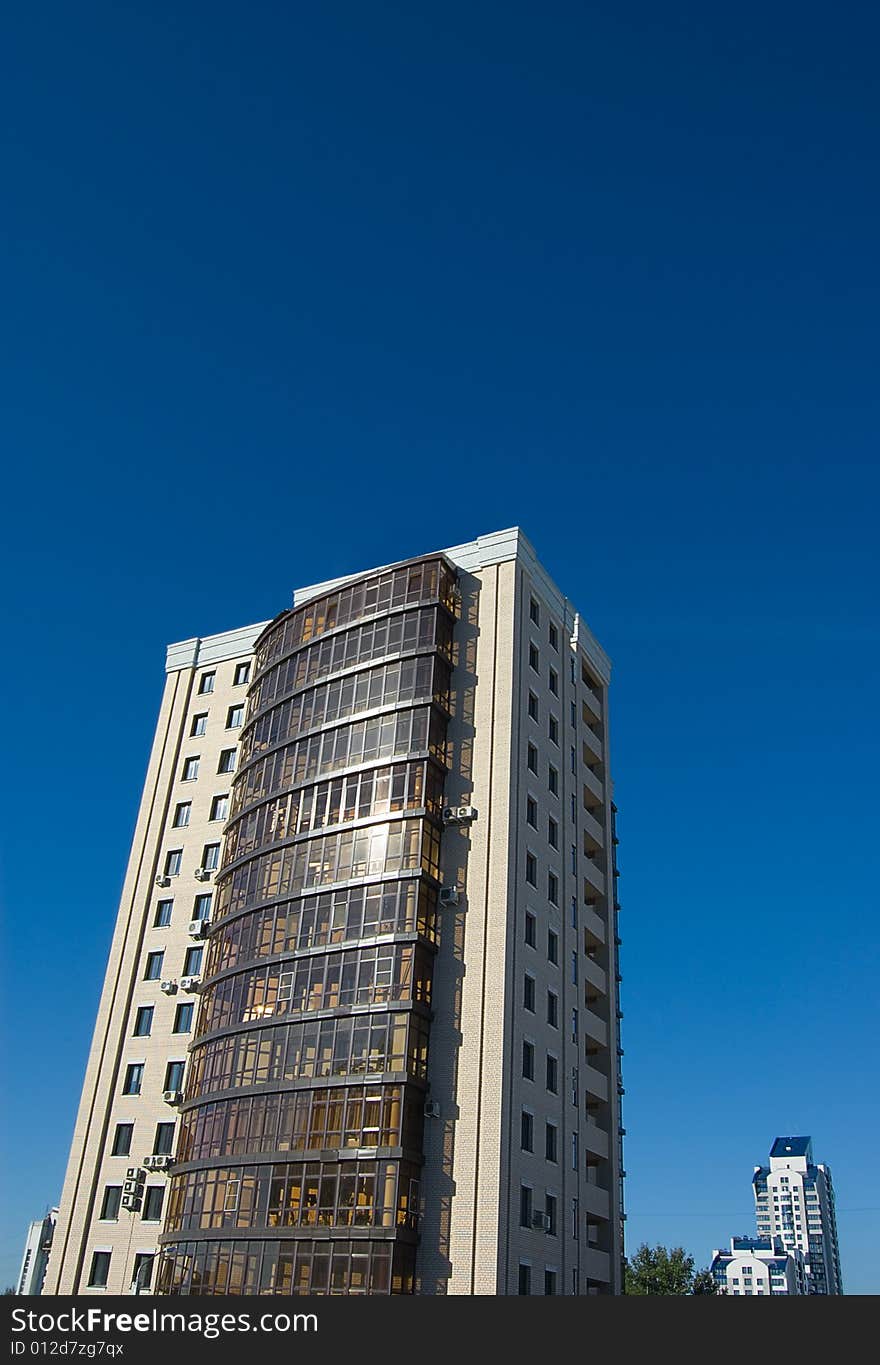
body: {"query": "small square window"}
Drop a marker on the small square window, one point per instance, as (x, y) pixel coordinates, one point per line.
(553, 780)
(153, 969)
(552, 833)
(122, 1139)
(551, 1135)
(199, 725)
(163, 914)
(554, 637)
(534, 612)
(552, 946)
(211, 857)
(174, 1078)
(110, 1203)
(549, 1281)
(531, 869)
(534, 658)
(532, 812)
(206, 683)
(192, 962)
(530, 929)
(143, 1022)
(529, 993)
(183, 1017)
(553, 681)
(191, 768)
(100, 1269)
(527, 1132)
(525, 1279)
(553, 729)
(552, 888)
(553, 1009)
(172, 862)
(153, 1203)
(134, 1079)
(525, 1206)
(242, 674)
(142, 1270)
(163, 1142)
(528, 1061)
(227, 761)
(182, 813)
(550, 1210)
(533, 706)
(234, 717)
(552, 1075)
(532, 759)
(202, 906)
(220, 807)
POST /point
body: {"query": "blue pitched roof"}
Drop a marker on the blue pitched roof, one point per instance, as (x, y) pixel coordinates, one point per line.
(791, 1146)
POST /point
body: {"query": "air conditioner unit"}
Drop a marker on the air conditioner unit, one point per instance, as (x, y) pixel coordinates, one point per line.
(432, 1109)
(449, 895)
(131, 1202)
(172, 1096)
(203, 873)
(157, 1163)
(162, 880)
(457, 815)
(134, 1187)
(189, 983)
(134, 1173)
(169, 987)
(541, 1221)
(198, 928)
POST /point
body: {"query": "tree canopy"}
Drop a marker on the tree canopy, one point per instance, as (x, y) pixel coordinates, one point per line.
(662, 1270)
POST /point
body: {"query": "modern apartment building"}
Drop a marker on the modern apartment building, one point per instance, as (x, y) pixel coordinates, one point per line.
(794, 1200)
(359, 1032)
(36, 1254)
(759, 1265)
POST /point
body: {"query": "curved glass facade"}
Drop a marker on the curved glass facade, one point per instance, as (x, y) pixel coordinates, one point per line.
(297, 1169)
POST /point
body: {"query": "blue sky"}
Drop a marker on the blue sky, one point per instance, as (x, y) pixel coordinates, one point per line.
(293, 290)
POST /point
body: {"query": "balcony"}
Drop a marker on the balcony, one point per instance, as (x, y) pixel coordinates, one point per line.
(591, 707)
(594, 925)
(595, 1083)
(596, 1140)
(595, 976)
(593, 785)
(594, 1027)
(594, 876)
(596, 1264)
(596, 1201)
(593, 828)
(593, 750)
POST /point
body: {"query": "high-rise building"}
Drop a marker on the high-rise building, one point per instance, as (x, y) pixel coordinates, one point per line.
(359, 1030)
(759, 1265)
(36, 1254)
(794, 1200)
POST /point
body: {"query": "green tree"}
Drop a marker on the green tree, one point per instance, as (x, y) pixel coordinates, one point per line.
(662, 1270)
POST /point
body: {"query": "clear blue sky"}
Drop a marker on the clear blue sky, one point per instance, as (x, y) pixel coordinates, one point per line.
(291, 290)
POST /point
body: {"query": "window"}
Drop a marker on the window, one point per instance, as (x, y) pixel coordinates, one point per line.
(199, 725)
(553, 1009)
(183, 1017)
(574, 1026)
(553, 729)
(163, 1144)
(202, 906)
(529, 993)
(172, 862)
(574, 719)
(551, 1134)
(534, 658)
(211, 857)
(550, 1210)
(573, 762)
(552, 946)
(122, 1139)
(100, 1269)
(143, 1022)
(574, 968)
(227, 761)
(153, 1203)
(525, 1279)
(549, 1281)
(182, 812)
(575, 1156)
(206, 683)
(174, 1077)
(153, 969)
(134, 1078)
(553, 681)
(525, 1206)
(163, 914)
(234, 717)
(192, 962)
(528, 1061)
(552, 833)
(532, 759)
(191, 768)
(242, 675)
(574, 859)
(553, 780)
(220, 807)
(142, 1270)
(533, 706)
(552, 888)
(534, 612)
(552, 1074)
(554, 636)
(530, 929)
(531, 869)
(527, 1131)
(110, 1203)
(532, 812)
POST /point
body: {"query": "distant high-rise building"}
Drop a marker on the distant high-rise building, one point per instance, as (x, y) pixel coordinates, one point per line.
(36, 1254)
(794, 1200)
(759, 1265)
(359, 1029)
